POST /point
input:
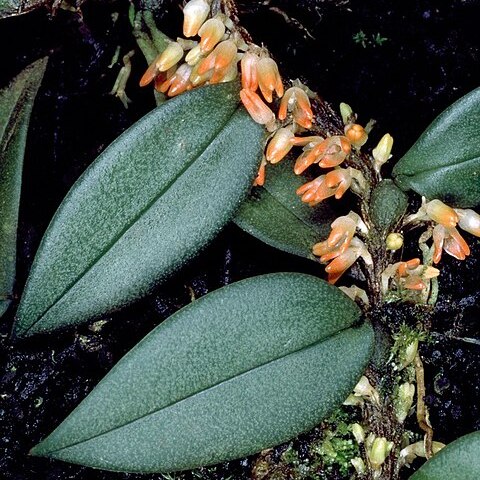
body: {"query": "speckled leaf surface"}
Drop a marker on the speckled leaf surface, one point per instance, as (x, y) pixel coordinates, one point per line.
(244, 368)
(444, 163)
(275, 214)
(460, 460)
(16, 103)
(148, 204)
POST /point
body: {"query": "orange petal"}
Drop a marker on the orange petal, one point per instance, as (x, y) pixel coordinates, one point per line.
(441, 213)
(149, 74)
(414, 282)
(248, 66)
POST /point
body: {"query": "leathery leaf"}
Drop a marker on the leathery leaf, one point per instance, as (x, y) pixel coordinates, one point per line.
(16, 103)
(458, 460)
(244, 368)
(157, 195)
(275, 214)
(444, 163)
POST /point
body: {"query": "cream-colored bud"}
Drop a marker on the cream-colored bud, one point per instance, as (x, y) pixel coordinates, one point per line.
(394, 241)
(379, 451)
(195, 13)
(364, 389)
(194, 55)
(410, 352)
(404, 401)
(358, 433)
(382, 152)
(353, 401)
(169, 57)
(346, 112)
(469, 221)
(359, 465)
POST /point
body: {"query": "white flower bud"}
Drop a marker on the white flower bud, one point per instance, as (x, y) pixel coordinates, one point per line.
(404, 401)
(358, 433)
(359, 465)
(195, 13)
(379, 451)
(346, 112)
(394, 241)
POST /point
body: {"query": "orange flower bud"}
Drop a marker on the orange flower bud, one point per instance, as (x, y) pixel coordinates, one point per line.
(180, 82)
(195, 13)
(335, 151)
(248, 66)
(211, 32)
(269, 79)
(356, 134)
(279, 145)
(256, 107)
(220, 58)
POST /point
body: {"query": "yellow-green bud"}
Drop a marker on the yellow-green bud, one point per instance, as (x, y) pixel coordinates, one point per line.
(394, 241)
(358, 433)
(404, 401)
(379, 451)
(382, 152)
(346, 112)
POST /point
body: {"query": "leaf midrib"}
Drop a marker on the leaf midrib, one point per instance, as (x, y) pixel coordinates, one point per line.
(198, 392)
(141, 213)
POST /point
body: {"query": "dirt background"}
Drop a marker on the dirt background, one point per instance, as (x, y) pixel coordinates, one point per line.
(429, 58)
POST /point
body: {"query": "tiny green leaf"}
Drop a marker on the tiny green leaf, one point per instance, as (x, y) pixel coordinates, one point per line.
(275, 214)
(244, 368)
(458, 460)
(387, 205)
(444, 163)
(16, 103)
(146, 206)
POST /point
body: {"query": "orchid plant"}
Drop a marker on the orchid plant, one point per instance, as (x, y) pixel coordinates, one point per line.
(205, 385)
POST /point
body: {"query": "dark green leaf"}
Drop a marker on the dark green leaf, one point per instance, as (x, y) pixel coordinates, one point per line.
(444, 163)
(244, 368)
(387, 205)
(16, 103)
(146, 206)
(459, 460)
(275, 214)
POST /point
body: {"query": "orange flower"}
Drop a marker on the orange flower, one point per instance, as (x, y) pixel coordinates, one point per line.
(179, 82)
(279, 145)
(220, 58)
(248, 66)
(166, 60)
(269, 79)
(211, 32)
(449, 240)
(296, 101)
(257, 109)
(330, 152)
(441, 213)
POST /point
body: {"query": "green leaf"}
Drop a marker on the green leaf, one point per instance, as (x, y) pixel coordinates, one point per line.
(388, 204)
(244, 368)
(147, 205)
(275, 214)
(16, 103)
(458, 460)
(444, 163)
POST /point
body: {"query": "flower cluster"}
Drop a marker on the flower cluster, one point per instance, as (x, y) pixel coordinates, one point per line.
(410, 275)
(342, 248)
(186, 64)
(446, 237)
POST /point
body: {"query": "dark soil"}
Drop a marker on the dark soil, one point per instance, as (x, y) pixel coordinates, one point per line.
(426, 62)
